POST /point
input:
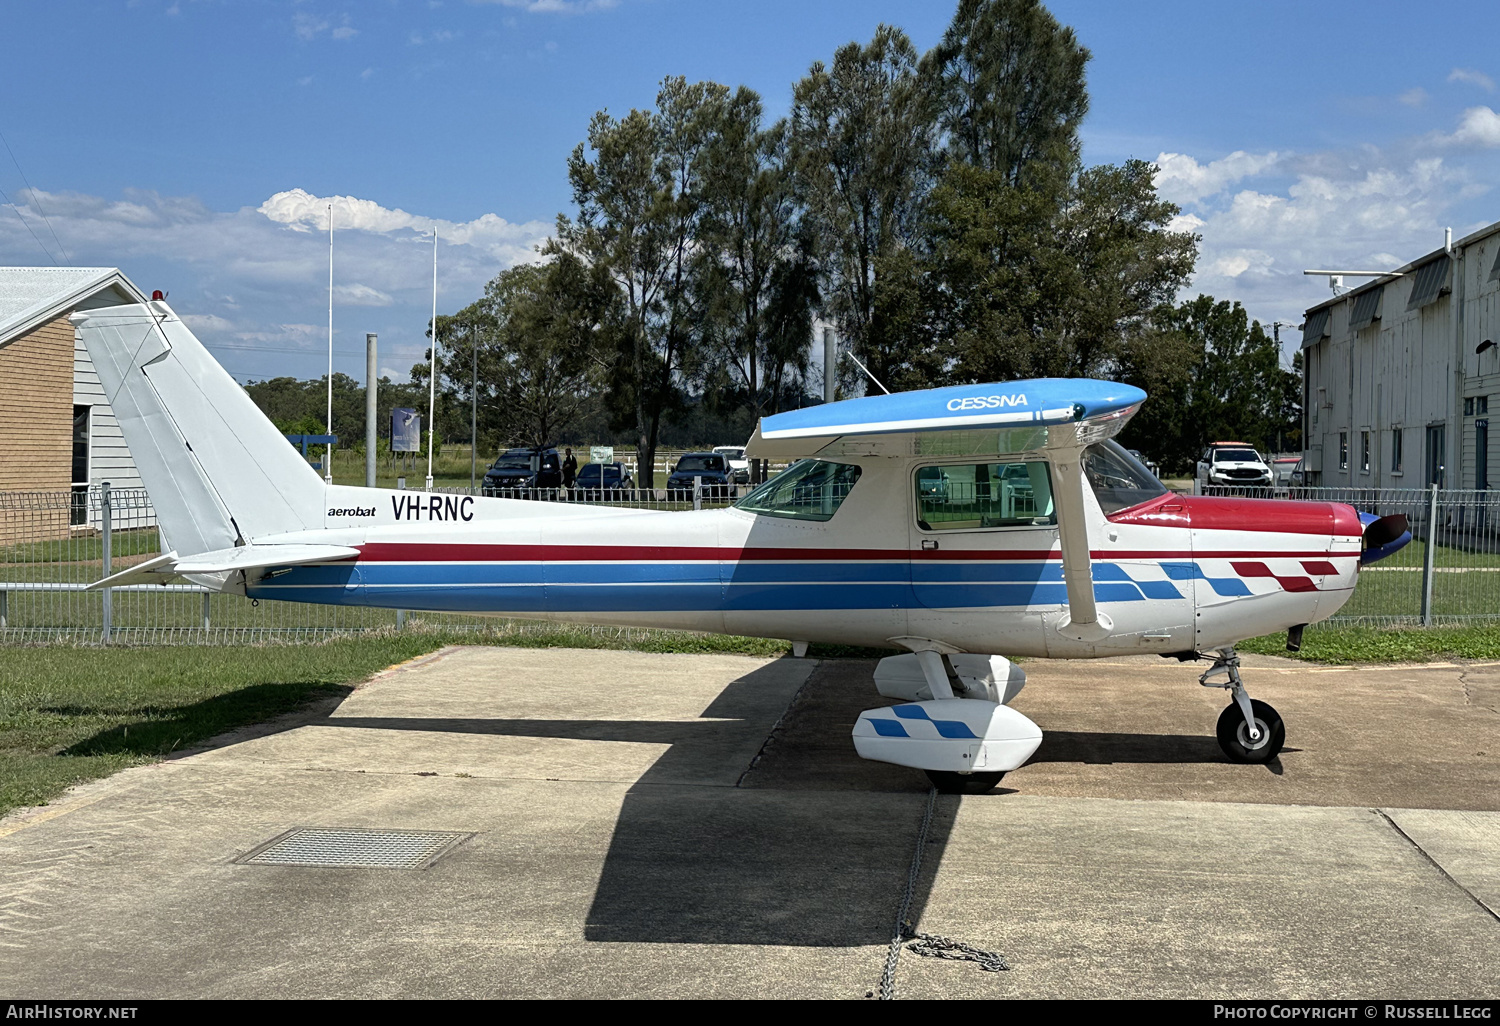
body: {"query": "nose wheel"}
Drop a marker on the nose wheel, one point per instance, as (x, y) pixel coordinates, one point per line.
(963, 783)
(1249, 730)
(1235, 735)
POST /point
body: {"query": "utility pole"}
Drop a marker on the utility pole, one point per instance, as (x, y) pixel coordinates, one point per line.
(372, 386)
(473, 414)
(830, 365)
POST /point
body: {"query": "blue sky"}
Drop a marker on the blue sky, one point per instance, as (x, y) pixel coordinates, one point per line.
(195, 143)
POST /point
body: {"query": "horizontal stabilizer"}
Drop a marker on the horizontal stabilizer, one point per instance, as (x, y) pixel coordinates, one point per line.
(245, 557)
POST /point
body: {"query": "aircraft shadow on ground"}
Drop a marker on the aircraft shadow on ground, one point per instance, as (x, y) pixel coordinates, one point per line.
(1103, 748)
(694, 864)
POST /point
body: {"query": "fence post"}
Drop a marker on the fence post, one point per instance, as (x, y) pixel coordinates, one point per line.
(4, 609)
(105, 518)
(1428, 557)
(206, 623)
(400, 619)
(697, 493)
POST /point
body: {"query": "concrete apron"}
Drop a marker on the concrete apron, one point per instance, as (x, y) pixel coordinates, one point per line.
(661, 826)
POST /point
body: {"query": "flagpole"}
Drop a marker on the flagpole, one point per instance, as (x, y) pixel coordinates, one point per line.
(432, 368)
(328, 429)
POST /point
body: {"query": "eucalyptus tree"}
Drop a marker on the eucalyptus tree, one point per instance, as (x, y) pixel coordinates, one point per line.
(1011, 86)
(636, 185)
(756, 272)
(862, 138)
(534, 342)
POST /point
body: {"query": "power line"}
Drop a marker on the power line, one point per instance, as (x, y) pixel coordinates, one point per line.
(60, 247)
(17, 209)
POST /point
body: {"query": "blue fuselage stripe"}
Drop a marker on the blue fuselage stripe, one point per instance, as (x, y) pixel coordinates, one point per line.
(707, 586)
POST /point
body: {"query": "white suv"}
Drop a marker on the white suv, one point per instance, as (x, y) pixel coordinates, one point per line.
(1233, 463)
(739, 466)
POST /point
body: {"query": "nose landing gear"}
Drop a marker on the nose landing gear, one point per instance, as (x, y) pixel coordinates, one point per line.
(1249, 730)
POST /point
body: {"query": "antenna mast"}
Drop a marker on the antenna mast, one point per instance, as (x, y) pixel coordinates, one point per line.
(432, 368)
(328, 458)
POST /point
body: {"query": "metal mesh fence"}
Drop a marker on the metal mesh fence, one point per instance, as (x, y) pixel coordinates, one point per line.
(1449, 573)
(53, 545)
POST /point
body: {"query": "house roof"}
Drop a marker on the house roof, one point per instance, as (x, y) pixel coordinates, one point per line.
(30, 296)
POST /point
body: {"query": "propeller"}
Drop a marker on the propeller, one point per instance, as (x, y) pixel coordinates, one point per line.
(1383, 536)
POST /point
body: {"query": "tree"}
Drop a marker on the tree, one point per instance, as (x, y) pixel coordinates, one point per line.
(756, 271)
(536, 336)
(1224, 382)
(639, 208)
(862, 138)
(1011, 82)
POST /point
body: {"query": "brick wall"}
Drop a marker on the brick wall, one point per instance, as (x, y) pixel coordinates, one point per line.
(36, 410)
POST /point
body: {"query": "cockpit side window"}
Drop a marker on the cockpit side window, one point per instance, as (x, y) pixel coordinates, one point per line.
(1118, 479)
(807, 490)
(970, 496)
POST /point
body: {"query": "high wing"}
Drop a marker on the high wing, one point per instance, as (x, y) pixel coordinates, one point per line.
(1056, 416)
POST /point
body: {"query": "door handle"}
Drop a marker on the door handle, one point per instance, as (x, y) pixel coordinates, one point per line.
(929, 543)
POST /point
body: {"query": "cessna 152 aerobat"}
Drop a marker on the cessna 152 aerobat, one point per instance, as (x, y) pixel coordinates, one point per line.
(957, 526)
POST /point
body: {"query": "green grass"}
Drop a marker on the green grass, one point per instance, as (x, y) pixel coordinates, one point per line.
(73, 714)
(1341, 644)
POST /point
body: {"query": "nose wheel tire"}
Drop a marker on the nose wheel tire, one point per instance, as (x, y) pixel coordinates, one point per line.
(1234, 733)
(948, 782)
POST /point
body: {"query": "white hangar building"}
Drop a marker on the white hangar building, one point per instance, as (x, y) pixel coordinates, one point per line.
(1399, 374)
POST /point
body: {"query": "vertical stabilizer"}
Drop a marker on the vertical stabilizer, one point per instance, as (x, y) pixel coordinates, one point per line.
(218, 472)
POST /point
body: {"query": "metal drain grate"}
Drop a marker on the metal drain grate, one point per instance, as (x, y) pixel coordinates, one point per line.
(355, 849)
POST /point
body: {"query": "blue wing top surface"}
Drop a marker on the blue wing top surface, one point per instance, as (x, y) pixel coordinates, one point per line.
(958, 407)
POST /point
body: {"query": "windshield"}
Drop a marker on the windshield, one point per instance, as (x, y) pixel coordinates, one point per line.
(1119, 479)
(732, 454)
(1235, 456)
(697, 464)
(516, 462)
(807, 490)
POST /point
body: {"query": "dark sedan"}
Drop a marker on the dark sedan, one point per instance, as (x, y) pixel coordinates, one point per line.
(604, 481)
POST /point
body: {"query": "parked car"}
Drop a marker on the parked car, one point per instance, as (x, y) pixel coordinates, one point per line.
(1283, 468)
(711, 467)
(522, 473)
(1233, 464)
(739, 463)
(1148, 464)
(607, 481)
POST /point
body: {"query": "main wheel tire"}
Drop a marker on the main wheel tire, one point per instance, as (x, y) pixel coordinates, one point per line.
(948, 782)
(1234, 735)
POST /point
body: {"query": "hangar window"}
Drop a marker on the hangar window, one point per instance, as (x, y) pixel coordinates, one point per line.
(966, 496)
(807, 490)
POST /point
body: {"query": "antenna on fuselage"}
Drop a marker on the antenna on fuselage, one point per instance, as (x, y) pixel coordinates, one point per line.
(872, 377)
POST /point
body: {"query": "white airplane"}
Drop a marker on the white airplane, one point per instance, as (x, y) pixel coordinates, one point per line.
(958, 526)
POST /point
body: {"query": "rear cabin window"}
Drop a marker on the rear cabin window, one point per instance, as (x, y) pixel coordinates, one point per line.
(1118, 479)
(807, 490)
(969, 496)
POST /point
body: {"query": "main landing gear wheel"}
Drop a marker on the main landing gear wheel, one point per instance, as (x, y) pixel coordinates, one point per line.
(948, 782)
(1234, 733)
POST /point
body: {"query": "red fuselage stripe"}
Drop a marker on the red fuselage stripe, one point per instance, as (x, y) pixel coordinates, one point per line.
(386, 552)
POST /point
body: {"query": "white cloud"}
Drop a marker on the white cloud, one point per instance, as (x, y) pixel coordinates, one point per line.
(1472, 77)
(308, 27)
(259, 275)
(557, 6)
(360, 295)
(1182, 179)
(1479, 126)
(1414, 97)
(204, 323)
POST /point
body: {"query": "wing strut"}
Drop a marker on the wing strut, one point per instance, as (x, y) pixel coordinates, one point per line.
(1085, 621)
